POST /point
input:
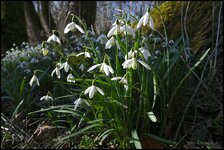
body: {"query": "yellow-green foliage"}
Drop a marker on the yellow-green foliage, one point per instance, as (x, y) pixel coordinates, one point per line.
(198, 23)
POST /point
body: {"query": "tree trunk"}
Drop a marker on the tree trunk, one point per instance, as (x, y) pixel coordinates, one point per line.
(33, 25)
(85, 10)
(46, 18)
(12, 24)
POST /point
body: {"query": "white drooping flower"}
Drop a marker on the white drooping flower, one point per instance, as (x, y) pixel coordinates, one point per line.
(130, 54)
(54, 38)
(70, 77)
(104, 68)
(92, 90)
(34, 79)
(132, 63)
(146, 18)
(59, 66)
(109, 43)
(86, 54)
(114, 30)
(128, 30)
(145, 52)
(71, 26)
(46, 98)
(79, 102)
(66, 66)
(122, 80)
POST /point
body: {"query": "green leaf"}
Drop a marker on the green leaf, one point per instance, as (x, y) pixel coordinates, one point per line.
(22, 87)
(16, 110)
(83, 130)
(136, 139)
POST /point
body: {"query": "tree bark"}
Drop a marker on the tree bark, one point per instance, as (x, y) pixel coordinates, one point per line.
(33, 24)
(46, 18)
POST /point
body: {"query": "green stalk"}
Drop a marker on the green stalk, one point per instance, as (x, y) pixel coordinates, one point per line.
(141, 99)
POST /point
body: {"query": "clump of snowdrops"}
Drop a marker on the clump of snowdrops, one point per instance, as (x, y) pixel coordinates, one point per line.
(125, 89)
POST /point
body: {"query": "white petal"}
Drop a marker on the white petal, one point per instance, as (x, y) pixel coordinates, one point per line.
(126, 87)
(127, 63)
(109, 43)
(82, 53)
(92, 91)
(151, 23)
(112, 30)
(32, 80)
(54, 38)
(101, 92)
(152, 116)
(146, 18)
(77, 103)
(69, 27)
(145, 53)
(58, 73)
(144, 64)
(79, 28)
(116, 78)
(110, 69)
(93, 67)
(37, 81)
(134, 63)
(66, 66)
(49, 97)
(43, 98)
(52, 73)
(87, 90)
(105, 69)
(140, 22)
(69, 77)
(87, 54)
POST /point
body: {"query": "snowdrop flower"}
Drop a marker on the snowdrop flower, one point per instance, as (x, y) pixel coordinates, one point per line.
(45, 51)
(114, 30)
(72, 26)
(80, 102)
(145, 53)
(130, 54)
(92, 90)
(66, 66)
(109, 43)
(69, 77)
(54, 38)
(104, 68)
(122, 80)
(59, 66)
(146, 18)
(132, 63)
(128, 30)
(86, 54)
(46, 97)
(34, 79)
